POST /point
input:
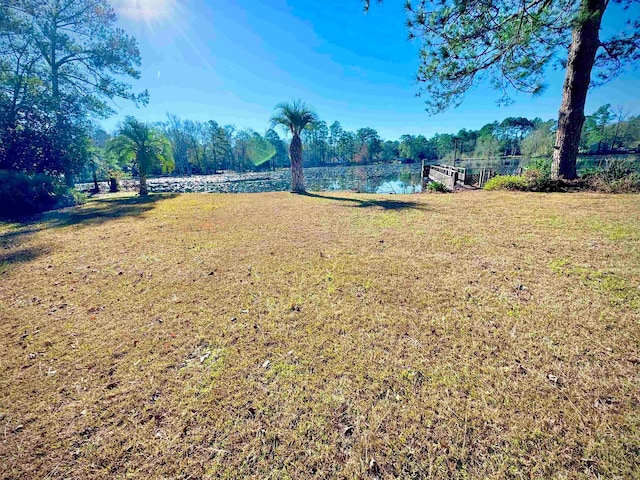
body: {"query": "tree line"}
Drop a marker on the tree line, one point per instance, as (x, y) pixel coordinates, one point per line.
(206, 147)
(203, 148)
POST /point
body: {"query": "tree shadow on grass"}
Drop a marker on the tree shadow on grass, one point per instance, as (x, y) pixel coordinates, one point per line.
(22, 255)
(102, 210)
(96, 212)
(372, 203)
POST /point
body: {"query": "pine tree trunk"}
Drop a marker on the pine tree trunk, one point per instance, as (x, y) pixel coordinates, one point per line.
(582, 54)
(297, 174)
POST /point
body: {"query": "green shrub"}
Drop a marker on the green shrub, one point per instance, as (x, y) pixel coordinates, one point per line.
(433, 187)
(537, 174)
(507, 182)
(538, 181)
(589, 171)
(616, 176)
(22, 194)
(541, 165)
(627, 184)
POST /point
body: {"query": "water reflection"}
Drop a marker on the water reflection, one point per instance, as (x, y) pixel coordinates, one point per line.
(399, 187)
(386, 178)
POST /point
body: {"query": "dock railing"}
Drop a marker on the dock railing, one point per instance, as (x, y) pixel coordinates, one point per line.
(446, 174)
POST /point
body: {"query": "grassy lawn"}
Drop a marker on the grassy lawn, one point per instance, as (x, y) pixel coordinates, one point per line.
(273, 336)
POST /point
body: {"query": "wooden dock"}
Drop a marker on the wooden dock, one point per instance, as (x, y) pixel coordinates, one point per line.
(451, 176)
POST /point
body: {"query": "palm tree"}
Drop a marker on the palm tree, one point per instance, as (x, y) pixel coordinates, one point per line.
(295, 117)
(146, 146)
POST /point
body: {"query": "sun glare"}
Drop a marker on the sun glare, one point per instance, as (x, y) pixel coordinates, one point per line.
(149, 11)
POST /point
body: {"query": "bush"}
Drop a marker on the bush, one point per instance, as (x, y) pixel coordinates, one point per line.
(542, 165)
(507, 182)
(539, 181)
(537, 175)
(616, 176)
(440, 187)
(629, 184)
(22, 194)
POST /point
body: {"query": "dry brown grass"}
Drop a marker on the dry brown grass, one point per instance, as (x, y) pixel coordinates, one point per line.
(273, 336)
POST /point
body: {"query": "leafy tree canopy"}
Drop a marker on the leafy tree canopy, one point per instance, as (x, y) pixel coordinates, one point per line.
(78, 52)
(143, 145)
(464, 42)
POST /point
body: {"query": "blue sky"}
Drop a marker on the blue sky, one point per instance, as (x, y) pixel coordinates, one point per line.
(233, 60)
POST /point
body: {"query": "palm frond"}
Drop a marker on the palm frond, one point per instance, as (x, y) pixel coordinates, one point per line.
(295, 116)
(139, 142)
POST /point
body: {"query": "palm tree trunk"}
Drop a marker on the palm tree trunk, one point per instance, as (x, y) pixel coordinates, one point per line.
(69, 180)
(582, 55)
(144, 191)
(297, 174)
(113, 183)
(96, 187)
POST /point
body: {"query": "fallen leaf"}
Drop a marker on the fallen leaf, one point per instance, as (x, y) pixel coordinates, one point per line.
(374, 468)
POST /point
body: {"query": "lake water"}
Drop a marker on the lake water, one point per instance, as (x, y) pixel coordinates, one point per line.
(384, 178)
